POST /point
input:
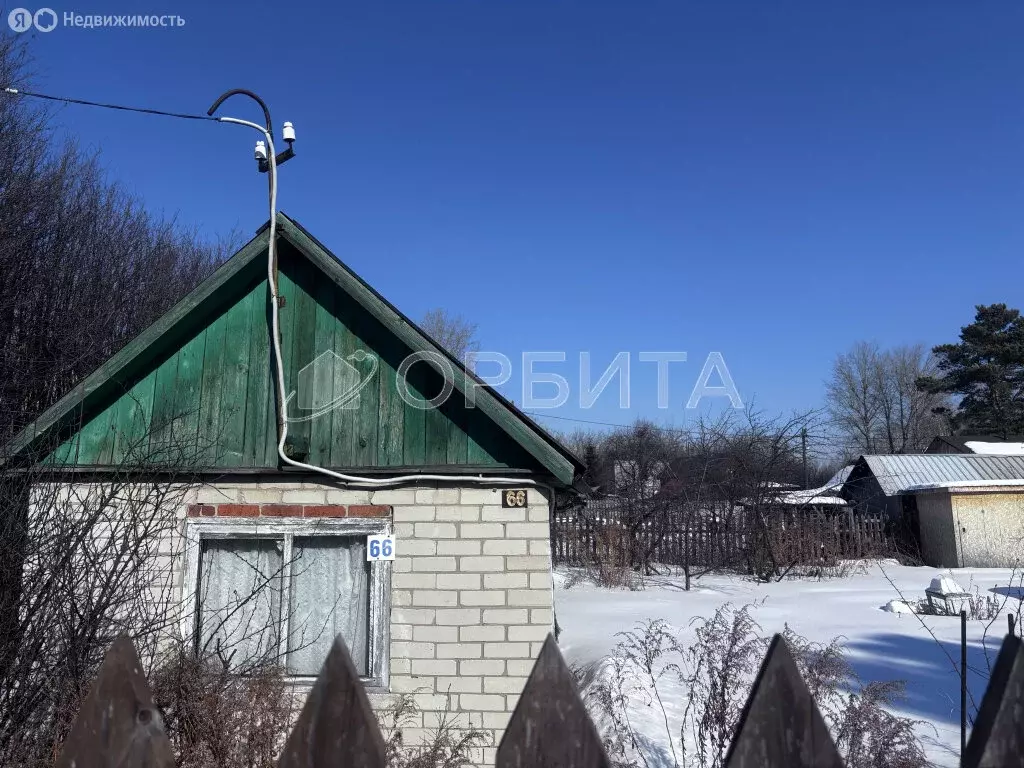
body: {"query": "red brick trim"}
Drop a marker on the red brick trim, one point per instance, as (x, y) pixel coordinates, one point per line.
(369, 510)
(281, 510)
(288, 510)
(238, 510)
(324, 510)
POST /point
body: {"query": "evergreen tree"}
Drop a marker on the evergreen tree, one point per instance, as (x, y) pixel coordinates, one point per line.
(591, 457)
(986, 370)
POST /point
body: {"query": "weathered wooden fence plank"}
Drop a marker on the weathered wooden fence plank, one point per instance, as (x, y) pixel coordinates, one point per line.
(997, 740)
(810, 536)
(781, 726)
(550, 727)
(337, 726)
(118, 725)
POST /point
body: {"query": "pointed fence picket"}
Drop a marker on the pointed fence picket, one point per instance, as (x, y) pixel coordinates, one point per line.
(781, 726)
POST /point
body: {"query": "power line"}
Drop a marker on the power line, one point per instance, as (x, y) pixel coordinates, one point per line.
(186, 116)
(668, 430)
(581, 421)
(597, 423)
(102, 105)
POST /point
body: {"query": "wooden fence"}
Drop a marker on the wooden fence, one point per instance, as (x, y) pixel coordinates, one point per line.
(781, 726)
(803, 536)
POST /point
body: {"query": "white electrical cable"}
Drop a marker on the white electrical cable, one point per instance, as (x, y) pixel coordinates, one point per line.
(275, 341)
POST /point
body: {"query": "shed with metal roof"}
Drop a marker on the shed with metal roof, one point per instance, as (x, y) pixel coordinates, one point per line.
(909, 472)
(957, 509)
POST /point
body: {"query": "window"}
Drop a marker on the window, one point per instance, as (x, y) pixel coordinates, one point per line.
(283, 591)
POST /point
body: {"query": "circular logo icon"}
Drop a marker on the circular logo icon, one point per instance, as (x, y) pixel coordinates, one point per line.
(45, 19)
(20, 20)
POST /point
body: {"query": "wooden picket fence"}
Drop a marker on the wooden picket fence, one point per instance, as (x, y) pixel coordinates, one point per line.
(800, 536)
(781, 726)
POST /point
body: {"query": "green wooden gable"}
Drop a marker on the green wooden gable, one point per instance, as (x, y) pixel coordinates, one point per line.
(196, 389)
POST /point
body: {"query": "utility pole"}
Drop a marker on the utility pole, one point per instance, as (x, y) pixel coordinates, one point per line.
(803, 451)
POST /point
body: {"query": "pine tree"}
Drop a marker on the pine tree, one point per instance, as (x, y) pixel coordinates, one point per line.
(592, 458)
(986, 369)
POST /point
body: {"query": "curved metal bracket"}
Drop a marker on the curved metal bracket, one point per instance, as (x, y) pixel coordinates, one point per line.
(281, 157)
(244, 92)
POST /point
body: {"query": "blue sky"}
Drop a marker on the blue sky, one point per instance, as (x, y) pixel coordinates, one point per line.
(772, 181)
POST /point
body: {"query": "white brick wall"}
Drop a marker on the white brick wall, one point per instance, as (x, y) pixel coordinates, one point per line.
(471, 597)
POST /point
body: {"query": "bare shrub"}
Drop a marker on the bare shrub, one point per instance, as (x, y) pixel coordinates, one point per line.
(217, 718)
(982, 607)
(835, 569)
(867, 734)
(718, 496)
(721, 664)
(82, 564)
(644, 648)
(607, 689)
(762, 563)
(717, 671)
(611, 565)
(447, 744)
(574, 577)
(870, 736)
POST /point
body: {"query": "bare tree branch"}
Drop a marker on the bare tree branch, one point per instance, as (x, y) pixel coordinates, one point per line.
(451, 331)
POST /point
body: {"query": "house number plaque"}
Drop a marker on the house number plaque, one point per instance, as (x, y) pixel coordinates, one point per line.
(380, 547)
(513, 498)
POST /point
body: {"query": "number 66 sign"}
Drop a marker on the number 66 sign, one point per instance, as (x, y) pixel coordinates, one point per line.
(380, 547)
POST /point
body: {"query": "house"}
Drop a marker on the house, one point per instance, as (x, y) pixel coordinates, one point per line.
(636, 479)
(960, 509)
(462, 609)
(981, 444)
(827, 496)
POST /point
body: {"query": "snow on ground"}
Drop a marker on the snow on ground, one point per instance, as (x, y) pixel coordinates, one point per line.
(882, 644)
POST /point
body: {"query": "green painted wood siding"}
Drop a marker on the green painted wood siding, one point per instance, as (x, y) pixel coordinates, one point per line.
(208, 399)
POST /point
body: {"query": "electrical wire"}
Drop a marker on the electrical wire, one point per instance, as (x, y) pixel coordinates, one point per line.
(538, 414)
(354, 480)
(657, 428)
(273, 226)
(350, 480)
(186, 116)
(120, 107)
(275, 342)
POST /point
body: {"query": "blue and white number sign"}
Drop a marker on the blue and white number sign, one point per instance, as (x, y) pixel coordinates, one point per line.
(380, 547)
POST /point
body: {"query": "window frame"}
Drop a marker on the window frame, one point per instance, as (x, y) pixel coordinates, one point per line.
(287, 529)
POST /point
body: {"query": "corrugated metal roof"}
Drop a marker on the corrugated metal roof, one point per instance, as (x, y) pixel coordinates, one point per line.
(897, 474)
